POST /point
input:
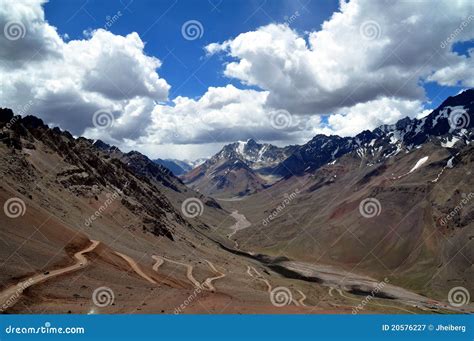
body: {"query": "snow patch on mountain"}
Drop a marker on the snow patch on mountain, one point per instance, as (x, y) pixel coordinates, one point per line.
(450, 142)
(418, 164)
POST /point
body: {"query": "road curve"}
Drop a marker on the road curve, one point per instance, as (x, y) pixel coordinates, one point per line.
(303, 297)
(136, 268)
(189, 269)
(206, 285)
(260, 277)
(159, 262)
(11, 295)
(208, 282)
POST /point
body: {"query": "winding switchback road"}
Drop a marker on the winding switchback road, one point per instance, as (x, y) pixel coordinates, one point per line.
(136, 268)
(11, 295)
(208, 281)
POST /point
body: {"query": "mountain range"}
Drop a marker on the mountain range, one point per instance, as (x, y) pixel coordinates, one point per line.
(328, 221)
(179, 167)
(244, 168)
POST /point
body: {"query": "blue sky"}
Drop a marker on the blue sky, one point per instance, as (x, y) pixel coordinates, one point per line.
(278, 71)
(185, 64)
(159, 24)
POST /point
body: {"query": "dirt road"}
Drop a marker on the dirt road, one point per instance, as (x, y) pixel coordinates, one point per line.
(208, 282)
(189, 269)
(11, 295)
(206, 285)
(136, 268)
(260, 277)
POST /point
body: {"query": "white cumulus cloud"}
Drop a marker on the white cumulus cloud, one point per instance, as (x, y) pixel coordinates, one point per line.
(67, 82)
(368, 52)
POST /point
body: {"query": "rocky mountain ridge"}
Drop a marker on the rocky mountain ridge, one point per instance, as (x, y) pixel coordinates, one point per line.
(452, 122)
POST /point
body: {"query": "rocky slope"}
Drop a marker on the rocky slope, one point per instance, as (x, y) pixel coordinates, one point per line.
(393, 205)
(59, 193)
(398, 202)
(81, 219)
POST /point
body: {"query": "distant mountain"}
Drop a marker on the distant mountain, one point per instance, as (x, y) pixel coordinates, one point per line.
(195, 163)
(246, 167)
(179, 167)
(239, 168)
(176, 167)
(451, 121)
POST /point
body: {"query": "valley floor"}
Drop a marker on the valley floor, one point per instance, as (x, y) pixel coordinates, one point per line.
(256, 285)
